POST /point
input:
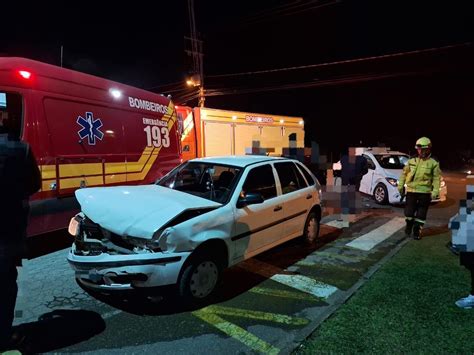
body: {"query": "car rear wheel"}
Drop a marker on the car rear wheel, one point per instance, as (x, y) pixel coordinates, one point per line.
(381, 194)
(199, 279)
(311, 228)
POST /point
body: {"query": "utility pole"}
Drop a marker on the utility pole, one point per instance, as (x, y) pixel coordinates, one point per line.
(61, 55)
(197, 54)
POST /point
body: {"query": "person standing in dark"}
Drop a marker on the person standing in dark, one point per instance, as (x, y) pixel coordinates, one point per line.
(353, 168)
(422, 177)
(19, 179)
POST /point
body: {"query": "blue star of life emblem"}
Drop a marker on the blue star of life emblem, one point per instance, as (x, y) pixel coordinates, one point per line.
(90, 128)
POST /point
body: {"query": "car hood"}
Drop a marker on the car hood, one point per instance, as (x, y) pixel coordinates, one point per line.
(136, 211)
(393, 173)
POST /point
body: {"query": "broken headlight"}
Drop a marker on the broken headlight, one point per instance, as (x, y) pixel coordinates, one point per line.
(162, 239)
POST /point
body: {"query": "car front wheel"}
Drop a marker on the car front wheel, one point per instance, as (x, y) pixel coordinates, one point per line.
(381, 194)
(199, 279)
(311, 228)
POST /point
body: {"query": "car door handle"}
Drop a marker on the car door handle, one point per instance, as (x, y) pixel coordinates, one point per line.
(309, 196)
(277, 208)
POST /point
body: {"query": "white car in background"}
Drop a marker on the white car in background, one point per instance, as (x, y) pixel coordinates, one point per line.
(385, 167)
(205, 215)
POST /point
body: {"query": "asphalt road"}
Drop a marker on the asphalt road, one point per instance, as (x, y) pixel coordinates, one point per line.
(267, 304)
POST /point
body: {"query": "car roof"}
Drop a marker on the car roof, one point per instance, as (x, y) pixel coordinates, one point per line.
(388, 152)
(239, 160)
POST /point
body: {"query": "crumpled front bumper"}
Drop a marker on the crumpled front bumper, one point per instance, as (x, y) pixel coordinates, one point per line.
(109, 272)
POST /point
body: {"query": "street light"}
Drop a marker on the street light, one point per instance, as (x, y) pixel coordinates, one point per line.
(195, 81)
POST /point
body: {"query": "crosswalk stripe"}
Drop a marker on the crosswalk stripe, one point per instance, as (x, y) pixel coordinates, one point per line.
(306, 284)
(283, 294)
(299, 282)
(265, 316)
(336, 224)
(342, 257)
(236, 332)
(111, 314)
(377, 235)
(326, 266)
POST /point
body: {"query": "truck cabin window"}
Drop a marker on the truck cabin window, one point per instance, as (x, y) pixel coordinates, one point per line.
(11, 114)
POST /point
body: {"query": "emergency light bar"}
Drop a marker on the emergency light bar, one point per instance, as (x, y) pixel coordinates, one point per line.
(24, 74)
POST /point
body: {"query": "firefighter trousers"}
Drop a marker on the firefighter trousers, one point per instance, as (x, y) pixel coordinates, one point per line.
(416, 207)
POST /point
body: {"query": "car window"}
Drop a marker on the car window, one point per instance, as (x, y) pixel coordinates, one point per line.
(391, 161)
(370, 163)
(404, 159)
(307, 175)
(261, 180)
(299, 176)
(290, 179)
(210, 181)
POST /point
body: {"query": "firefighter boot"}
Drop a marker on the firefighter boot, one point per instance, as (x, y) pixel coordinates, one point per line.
(409, 226)
(417, 226)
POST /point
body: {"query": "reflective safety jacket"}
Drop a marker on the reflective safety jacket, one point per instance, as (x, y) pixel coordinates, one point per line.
(420, 175)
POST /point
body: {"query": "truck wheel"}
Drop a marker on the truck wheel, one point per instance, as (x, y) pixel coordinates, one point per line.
(199, 279)
(311, 228)
(381, 194)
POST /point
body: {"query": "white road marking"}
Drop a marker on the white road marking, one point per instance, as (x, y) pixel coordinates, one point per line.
(306, 284)
(111, 314)
(299, 282)
(336, 224)
(378, 235)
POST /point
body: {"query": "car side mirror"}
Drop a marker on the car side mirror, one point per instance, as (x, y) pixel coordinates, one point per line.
(250, 199)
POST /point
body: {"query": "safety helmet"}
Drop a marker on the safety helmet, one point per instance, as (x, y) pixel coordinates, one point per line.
(423, 142)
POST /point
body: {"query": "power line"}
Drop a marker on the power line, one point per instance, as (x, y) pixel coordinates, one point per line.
(171, 85)
(185, 98)
(314, 83)
(286, 10)
(348, 61)
(225, 91)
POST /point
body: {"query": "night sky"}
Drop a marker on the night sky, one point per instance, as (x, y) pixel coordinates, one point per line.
(392, 100)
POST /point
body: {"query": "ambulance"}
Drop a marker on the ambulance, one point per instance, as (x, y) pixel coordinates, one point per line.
(211, 132)
(85, 131)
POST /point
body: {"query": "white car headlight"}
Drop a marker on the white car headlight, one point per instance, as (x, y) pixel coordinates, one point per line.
(392, 181)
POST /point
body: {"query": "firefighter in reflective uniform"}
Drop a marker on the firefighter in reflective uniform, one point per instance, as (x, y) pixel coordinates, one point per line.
(421, 176)
(19, 178)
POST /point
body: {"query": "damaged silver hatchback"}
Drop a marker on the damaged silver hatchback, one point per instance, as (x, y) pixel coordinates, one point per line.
(205, 215)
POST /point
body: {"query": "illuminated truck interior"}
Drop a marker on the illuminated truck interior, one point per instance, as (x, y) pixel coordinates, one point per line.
(11, 114)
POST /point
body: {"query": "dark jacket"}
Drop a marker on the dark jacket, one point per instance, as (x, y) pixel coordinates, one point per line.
(19, 179)
(352, 169)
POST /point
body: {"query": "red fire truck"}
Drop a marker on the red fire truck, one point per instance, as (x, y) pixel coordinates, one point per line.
(210, 132)
(85, 131)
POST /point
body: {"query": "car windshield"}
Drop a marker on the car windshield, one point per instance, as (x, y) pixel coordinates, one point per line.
(213, 182)
(392, 161)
